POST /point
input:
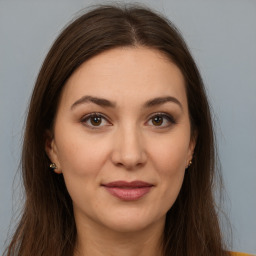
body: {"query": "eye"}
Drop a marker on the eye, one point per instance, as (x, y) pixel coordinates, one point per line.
(161, 120)
(95, 120)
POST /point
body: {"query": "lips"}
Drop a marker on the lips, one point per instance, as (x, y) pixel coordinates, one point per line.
(128, 191)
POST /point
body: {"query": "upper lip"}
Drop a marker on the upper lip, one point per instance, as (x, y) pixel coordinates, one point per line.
(126, 184)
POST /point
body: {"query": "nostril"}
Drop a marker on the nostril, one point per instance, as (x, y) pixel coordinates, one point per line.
(128, 150)
(131, 163)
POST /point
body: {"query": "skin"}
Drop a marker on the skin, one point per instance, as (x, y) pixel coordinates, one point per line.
(126, 144)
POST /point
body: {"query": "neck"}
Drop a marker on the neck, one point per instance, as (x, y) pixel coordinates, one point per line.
(100, 241)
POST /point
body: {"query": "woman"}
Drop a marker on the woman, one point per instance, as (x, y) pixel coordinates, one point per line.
(118, 153)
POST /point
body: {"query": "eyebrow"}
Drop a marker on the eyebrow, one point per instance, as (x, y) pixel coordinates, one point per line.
(162, 100)
(107, 103)
(99, 101)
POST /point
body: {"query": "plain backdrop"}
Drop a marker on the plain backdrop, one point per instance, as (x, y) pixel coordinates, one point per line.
(221, 35)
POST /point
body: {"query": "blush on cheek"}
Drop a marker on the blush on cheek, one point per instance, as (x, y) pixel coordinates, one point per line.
(77, 158)
(170, 161)
(174, 183)
(172, 168)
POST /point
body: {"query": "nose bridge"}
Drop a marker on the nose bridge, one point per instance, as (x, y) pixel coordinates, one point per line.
(129, 148)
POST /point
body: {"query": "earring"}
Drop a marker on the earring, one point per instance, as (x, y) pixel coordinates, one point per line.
(53, 166)
(190, 162)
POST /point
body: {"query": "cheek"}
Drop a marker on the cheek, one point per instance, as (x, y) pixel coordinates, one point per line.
(82, 159)
(170, 154)
(80, 154)
(169, 158)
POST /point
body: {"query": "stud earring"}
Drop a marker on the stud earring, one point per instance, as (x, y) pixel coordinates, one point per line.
(53, 166)
(190, 162)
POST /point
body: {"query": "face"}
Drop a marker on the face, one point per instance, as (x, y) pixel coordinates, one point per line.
(122, 139)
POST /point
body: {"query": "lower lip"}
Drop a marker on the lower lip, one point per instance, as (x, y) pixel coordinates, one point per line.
(128, 194)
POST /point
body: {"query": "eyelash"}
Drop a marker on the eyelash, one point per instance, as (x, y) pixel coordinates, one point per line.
(87, 117)
(168, 117)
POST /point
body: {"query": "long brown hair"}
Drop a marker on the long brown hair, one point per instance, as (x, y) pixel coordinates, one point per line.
(47, 226)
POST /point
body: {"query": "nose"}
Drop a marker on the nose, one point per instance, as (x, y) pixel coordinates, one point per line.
(129, 149)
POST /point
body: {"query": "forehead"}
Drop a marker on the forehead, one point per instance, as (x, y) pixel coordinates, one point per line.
(126, 74)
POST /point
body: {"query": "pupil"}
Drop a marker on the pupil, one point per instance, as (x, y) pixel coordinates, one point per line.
(96, 120)
(158, 120)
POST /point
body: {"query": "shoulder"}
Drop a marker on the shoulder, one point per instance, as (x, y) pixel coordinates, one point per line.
(240, 254)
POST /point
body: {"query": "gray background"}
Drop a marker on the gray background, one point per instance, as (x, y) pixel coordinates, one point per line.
(222, 37)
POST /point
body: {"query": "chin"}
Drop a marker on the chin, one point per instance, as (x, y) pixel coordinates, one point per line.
(129, 223)
(128, 226)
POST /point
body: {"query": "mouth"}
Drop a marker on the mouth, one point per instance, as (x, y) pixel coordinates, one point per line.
(128, 191)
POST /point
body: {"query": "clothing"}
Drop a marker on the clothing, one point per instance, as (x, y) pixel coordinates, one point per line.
(240, 254)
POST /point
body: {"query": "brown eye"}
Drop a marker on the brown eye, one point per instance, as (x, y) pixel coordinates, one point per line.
(157, 120)
(162, 120)
(95, 120)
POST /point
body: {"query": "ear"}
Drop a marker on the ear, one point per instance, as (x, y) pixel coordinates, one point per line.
(51, 150)
(192, 145)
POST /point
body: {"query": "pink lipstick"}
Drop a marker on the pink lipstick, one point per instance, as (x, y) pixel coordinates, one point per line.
(128, 191)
